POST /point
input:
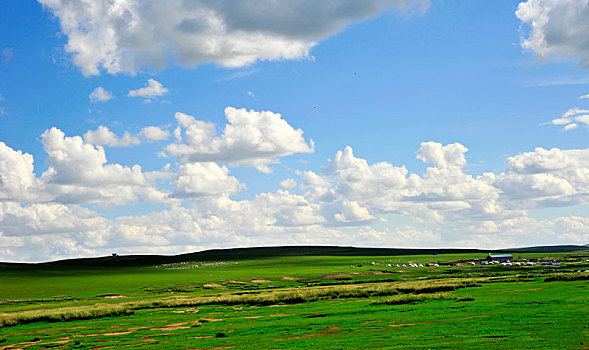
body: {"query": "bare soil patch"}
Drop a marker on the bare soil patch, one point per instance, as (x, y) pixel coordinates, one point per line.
(261, 281)
(368, 322)
(172, 327)
(108, 334)
(111, 296)
(262, 316)
(169, 328)
(335, 276)
(288, 278)
(407, 324)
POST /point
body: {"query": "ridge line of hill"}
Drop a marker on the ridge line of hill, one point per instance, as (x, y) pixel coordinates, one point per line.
(261, 252)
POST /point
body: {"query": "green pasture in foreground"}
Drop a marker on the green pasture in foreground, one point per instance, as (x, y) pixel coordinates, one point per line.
(313, 302)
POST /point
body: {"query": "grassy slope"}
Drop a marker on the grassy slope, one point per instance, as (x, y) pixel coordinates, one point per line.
(521, 314)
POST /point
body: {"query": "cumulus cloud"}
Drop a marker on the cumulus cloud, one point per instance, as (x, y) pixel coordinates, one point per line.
(558, 29)
(51, 218)
(205, 179)
(100, 95)
(442, 156)
(250, 138)
(17, 178)
(545, 178)
(103, 136)
(152, 90)
(154, 133)
(354, 179)
(346, 202)
(124, 36)
(78, 173)
(286, 209)
(288, 183)
(584, 96)
(352, 212)
(443, 194)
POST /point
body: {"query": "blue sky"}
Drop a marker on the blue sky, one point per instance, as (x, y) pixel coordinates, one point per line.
(166, 127)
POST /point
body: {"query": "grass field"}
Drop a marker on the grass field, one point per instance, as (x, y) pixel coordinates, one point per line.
(296, 301)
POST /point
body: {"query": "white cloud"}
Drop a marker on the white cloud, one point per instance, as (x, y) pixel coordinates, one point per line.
(558, 29)
(444, 194)
(205, 179)
(347, 202)
(7, 53)
(355, 179)
(561, 121)
(152, 90)
(154, 133)
(124, 36)
(100, 95)
(78, 173)
(2, 109)
(352, 212)
(285, 209)
(442, 156)
(51, 218)
(545, 178)
(569, 117)
(584, 96)
(17, 178)
(103, 136)
(574, 111)
(250, 138)
(542, 161)
(583, 119)
(288, 183)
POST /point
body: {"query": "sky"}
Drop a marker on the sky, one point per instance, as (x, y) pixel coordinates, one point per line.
(165, 127)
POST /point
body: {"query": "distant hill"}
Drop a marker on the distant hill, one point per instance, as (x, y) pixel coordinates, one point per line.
(550, 249)
(261, 252)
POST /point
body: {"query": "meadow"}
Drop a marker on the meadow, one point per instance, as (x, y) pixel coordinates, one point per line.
(291, 299)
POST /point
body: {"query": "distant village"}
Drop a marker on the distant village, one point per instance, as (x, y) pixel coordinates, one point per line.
(491, 259)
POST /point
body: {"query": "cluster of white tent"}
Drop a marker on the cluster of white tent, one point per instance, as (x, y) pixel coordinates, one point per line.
(508, 263)
(405, 265)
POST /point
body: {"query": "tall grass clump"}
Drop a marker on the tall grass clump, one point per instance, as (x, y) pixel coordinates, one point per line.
(568, 276)
(63, 314)
(277, 296)
(416, 298)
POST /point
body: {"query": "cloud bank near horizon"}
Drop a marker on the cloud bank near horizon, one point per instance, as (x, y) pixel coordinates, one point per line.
(57, 214)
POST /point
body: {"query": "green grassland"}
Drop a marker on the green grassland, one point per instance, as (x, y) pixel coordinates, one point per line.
(284, 298)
